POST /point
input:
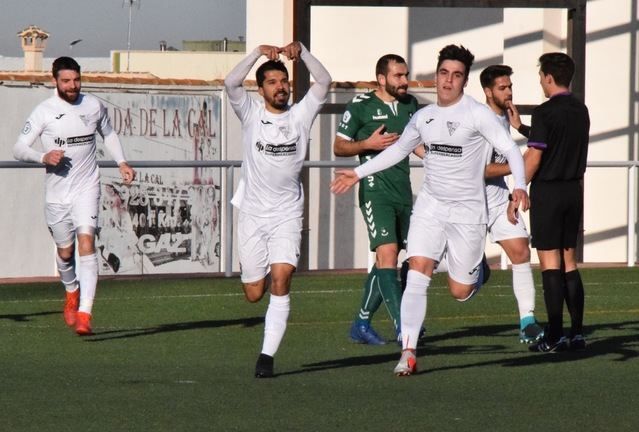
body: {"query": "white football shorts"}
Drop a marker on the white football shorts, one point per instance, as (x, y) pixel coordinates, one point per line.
(79, 217)
(463, 244)
(500, 228)
(263, 241)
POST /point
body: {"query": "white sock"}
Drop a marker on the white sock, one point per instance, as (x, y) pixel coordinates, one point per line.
(88, 281)
(67, 273)
(524, 289)
(275, 323)
(413, 309)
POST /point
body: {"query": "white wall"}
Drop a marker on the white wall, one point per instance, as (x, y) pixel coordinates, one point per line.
(348, 41)
(28, 249)
(176, 64)
(337, 235)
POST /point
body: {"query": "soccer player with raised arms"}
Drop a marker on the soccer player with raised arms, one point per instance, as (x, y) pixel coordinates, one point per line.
(269, 196)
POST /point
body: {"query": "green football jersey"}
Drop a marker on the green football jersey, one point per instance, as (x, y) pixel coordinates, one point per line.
(363, 115)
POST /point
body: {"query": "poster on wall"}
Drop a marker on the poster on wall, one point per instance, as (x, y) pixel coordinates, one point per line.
(167, 220)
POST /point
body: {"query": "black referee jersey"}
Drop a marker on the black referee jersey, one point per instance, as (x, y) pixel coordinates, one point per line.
(560, 127)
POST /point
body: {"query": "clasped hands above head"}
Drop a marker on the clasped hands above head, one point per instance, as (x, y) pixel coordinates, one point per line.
(292, 51)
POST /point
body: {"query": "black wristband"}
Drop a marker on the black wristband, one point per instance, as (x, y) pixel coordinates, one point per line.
(524, 130)
(510, 197)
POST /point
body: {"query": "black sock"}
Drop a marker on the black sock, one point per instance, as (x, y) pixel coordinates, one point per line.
(575, 301)
(553, 283)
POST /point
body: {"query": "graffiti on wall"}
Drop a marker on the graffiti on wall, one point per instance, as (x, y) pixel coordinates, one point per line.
(167, 221)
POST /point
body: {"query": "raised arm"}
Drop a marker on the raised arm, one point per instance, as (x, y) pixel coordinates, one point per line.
(321, 76)
(515, 120)
(500, 139)
(234, 80)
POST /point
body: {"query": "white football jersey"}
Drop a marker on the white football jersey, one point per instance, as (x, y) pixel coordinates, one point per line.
(496, 187)
(72, 128)
(275, 147)
(455, 138)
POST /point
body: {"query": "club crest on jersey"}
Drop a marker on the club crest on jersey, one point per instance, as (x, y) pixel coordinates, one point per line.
(84, 119)
(284, 130)
(452, 127)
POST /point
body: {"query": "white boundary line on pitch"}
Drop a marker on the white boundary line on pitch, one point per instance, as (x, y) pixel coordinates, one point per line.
(442, 288)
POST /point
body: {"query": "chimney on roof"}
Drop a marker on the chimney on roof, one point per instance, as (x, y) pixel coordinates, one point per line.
(34, 42)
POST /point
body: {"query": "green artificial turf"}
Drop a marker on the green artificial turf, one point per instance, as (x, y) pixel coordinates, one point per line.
(178, 355)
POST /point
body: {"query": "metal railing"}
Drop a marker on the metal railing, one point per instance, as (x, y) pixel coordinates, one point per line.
(229, 167)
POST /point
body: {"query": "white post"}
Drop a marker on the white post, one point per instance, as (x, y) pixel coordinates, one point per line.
(632, 203)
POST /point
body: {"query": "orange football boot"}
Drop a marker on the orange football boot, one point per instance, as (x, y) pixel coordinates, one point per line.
(71, 307)
(83, 324)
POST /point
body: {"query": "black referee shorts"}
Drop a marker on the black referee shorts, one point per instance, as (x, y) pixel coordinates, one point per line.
(556, 208)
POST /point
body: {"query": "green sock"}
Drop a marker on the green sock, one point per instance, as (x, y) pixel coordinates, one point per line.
(371, 300)
(391, 292)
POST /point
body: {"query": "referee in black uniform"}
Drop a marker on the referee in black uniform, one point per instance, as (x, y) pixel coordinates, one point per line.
(555, 163)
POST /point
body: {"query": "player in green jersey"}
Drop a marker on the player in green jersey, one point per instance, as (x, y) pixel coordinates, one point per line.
(371, 122)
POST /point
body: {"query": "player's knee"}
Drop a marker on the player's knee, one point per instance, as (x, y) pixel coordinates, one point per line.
(252, 296)
(254, 291)
(520, 256)
(86, 241)
(461, 291)
(66, 254)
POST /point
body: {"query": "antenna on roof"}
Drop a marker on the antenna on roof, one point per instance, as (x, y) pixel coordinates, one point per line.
(128, 38)
(74, 43)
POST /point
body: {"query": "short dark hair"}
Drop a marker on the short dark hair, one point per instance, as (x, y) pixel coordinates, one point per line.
(269, 66)
(64, 63)
(381, 68)
(455, 52)
(559, 65)
(488, 76)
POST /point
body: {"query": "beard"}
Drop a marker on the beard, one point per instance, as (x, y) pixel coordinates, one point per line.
(502, 104)
(69, 96)
(280, 100)
(400, 92)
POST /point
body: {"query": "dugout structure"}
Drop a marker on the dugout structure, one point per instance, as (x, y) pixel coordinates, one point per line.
(575, 44)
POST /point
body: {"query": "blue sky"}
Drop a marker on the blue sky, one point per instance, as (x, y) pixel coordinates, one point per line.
(103, 24)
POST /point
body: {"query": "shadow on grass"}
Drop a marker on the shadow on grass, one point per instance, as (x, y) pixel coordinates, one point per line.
(622, 347)
(26, 317)
(173, 327)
